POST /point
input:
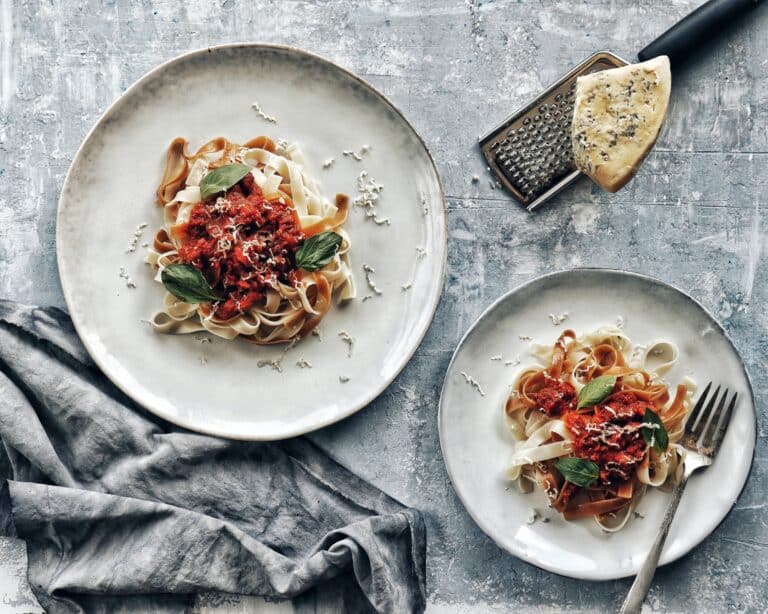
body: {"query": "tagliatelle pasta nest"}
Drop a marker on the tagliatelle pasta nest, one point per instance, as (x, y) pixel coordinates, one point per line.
(595, 424)
(241, 245)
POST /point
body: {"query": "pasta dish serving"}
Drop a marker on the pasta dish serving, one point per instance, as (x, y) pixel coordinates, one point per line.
(595, 424)
(249, 246)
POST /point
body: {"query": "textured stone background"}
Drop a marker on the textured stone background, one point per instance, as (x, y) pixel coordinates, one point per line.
(695, 216)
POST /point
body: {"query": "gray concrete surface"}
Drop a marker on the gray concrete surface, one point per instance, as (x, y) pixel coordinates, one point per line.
(696, 217)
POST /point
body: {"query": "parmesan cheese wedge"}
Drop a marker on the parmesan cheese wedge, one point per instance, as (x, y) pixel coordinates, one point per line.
(616, 119)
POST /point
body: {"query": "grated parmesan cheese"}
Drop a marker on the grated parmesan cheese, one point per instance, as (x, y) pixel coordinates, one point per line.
(260, 112)
(343, 379)
(129, 283)
(357, 155)
(473, 382)
(135, 238)
(558, 320)
(328, 163)
(369, 270)
(303, 363)
(349, 340)
(369, 193)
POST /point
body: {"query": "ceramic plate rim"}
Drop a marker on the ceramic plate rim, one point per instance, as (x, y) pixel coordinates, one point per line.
(482, 525)
(190, 424)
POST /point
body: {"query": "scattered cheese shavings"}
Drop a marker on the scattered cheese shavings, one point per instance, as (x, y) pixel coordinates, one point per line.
(203, 360)
(367, 297)
(525, 338)
(357, 155)
(473, 382)
(277, 364)
(349, 340)
(421, 253)
(368, 199)
(135, 238)
(317, 333)
(533, 515)
(558, 320)
(145, 244)
(620, 322)
(512, 363)
(129, 283)
(343, 379)
(406, 287)
(329, 163)
(369, 270)
(498, 357)
(203, 339)
(637, 514)
(424, 208)
(303, 363)
(260, 112)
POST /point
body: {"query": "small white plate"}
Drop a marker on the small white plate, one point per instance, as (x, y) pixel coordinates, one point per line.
(476, 444)
(218, 387)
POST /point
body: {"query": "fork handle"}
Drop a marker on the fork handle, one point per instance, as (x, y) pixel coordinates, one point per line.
(636, 595)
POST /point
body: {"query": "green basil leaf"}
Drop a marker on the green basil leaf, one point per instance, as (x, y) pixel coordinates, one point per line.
(222, 178)
(186, 283)
(654, 433)
(317, 251)
(578, 471)
(596, 390)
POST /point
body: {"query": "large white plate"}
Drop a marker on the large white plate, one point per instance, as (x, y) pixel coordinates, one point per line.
(476, 444)
(218, 388)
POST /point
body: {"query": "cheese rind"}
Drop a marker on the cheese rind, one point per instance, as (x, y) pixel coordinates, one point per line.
(616, 119)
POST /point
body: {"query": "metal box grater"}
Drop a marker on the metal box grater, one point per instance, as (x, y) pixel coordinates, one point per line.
(530, 153)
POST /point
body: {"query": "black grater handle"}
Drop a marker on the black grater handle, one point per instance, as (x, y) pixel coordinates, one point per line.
(685, 38)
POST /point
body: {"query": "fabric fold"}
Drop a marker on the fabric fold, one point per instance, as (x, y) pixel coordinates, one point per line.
(119, 507)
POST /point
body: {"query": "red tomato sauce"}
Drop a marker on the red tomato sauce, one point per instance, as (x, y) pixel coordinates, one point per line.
(556, 398)
(243, 244)
(610, 436)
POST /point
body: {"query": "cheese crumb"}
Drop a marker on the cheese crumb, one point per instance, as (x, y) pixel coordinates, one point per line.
(421, 253)
(129, 283)
(317, 333)
(303, 363)
(367, 297)
(473, 382)
(357, 155)
(369, 270)
(135, 238)
(260, 112)
(277, 364)
(498, 357)
(620, 322)
(369, 193)
(406, 287)
(558, 320)
(343, 379)
(512, 363)
(349, 340)
(329, 163)
(525, 338)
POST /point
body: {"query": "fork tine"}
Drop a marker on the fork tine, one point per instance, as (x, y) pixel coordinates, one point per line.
(706, 438)
(722, 425)
(698, 426)
(694, 415)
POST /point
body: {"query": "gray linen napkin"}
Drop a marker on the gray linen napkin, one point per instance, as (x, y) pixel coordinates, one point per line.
(123, 512)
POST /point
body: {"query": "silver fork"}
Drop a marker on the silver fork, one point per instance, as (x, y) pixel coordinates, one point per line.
(704, 433)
